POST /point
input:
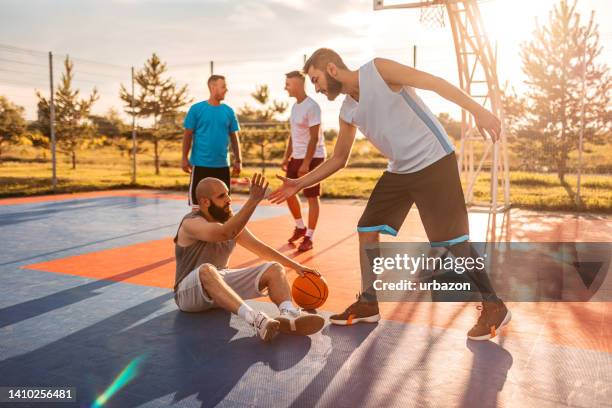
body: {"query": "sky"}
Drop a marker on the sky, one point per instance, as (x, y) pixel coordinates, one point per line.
(250, 41)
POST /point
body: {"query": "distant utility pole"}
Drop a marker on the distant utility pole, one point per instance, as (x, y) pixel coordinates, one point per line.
(52, 124)
(414, 56)
(133, 132)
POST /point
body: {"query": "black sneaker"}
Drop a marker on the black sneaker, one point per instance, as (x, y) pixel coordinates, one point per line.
(358, 312)
(493, 317)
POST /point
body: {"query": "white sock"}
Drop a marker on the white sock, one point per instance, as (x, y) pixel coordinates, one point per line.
(300, 223)
(309, 233)
(247, 313)
(287, 305)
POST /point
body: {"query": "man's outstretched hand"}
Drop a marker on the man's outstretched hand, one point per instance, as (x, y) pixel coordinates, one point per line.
(259, 185)
(287, 189)
(486, 121)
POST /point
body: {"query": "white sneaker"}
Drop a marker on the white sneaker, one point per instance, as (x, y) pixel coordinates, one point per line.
(299, 323)
(265, 327)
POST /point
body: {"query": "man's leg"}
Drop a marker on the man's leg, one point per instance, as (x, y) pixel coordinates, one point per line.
(295, 209)
(439, 198)
(271, 276)
(312, 193)
(226, 298)
(385, 212)
(294, 202)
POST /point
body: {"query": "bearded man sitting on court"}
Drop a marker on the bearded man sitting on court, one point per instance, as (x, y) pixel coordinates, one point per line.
(203, 245)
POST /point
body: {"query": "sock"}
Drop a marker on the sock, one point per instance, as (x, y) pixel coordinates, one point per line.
(300, 223)
(287, 305)
(247, 313)
(309, 233)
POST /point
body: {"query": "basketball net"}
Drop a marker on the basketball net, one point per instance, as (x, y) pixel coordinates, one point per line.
(433, 16)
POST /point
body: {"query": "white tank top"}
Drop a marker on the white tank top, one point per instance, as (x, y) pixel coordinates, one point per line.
(397, 123)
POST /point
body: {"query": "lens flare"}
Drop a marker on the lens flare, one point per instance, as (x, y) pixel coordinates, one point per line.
(126, 375)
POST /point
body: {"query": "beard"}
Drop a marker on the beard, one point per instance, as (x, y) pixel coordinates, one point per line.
(333, 87)
(221, 214)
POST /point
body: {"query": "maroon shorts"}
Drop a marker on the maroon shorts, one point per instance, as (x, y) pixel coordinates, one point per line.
(292, 173)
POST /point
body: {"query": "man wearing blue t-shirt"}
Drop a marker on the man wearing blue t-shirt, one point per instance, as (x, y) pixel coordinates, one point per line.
(209, 127)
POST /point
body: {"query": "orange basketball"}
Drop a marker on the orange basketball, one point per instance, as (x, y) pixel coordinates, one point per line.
(309, 291)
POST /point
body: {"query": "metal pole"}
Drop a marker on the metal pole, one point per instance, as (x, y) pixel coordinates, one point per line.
(133, 131)
(580, 140)
(305, 58)
(414, 56)
(52, 125)
(212, 67)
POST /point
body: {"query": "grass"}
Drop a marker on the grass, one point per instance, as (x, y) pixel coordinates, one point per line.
(105, 169)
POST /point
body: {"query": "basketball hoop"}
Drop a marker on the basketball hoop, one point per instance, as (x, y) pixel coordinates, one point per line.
(433, 16)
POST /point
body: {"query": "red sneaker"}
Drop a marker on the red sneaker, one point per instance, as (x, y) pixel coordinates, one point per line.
(305, 245)
(297, 234)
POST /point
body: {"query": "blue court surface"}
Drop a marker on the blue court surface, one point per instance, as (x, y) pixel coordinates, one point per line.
(126, 345)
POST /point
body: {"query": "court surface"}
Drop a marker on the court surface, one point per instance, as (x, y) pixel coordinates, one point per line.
(86, 302)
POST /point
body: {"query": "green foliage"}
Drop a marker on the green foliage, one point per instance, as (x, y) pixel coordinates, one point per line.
(261, 131)
(160, 100)
(554, 62)
(12, 124)
(72, 126)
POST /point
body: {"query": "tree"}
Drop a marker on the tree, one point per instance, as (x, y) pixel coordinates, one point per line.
(72, 126)
(12, 124)
(554, 62)
(260, 128)
(159, 99)
(452, 126)
(116, 133)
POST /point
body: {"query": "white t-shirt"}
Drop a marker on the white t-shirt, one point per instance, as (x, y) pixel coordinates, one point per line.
(397, 123)
(305, 115)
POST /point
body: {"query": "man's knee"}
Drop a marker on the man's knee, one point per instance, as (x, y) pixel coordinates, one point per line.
(366, 237)
(274, 271)
(208, 273)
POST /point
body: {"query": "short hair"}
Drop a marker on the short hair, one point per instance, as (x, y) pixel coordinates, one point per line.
(214, 78)
(295, 74)
(323, 56)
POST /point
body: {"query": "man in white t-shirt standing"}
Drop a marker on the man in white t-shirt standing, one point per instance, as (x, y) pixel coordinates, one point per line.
(305, 151)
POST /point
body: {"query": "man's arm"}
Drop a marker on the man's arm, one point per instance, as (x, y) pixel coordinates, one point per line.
(235, 140)
(396, 75)
(337, 161)
(310, 150)
(187, 140)
(288, 153)
(247, 240)
(203, 230)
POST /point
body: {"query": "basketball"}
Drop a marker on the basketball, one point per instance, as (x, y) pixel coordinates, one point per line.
(309, 291)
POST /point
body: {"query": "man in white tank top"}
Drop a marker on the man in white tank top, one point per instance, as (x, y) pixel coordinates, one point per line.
(305, 151)
(381, 101)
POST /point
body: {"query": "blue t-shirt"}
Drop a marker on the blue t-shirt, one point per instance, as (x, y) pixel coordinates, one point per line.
(211, 127)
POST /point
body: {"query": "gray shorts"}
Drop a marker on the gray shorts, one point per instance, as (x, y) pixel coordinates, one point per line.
(190, 296)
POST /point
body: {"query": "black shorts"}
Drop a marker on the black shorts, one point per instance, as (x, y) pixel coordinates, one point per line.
(436, 191)
(198, 173)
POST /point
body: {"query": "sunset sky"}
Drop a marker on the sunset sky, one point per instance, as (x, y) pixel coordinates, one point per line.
(251, 41)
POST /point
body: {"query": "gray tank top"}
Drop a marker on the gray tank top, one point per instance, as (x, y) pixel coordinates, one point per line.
(200, 252)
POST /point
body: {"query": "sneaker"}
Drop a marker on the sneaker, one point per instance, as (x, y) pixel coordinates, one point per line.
(493, 317)
(358, 312)
(306, 244)
(300, 323)
(297, 234)
(265, 327)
